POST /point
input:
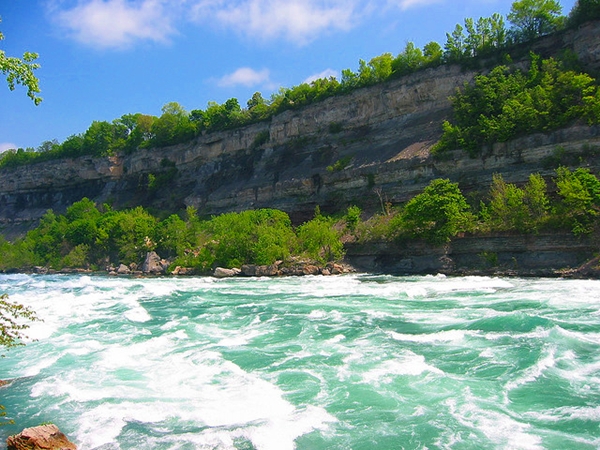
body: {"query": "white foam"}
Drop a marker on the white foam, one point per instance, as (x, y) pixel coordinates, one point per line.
(502, 430)
(409, 364)
(138, 314)
(205, 389)
(452, 336)
(534, 372)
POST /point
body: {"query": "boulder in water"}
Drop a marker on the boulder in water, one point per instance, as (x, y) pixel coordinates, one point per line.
(221, 272)
(44, 437)
(123, 270)
(253, 270)
(154, 265)
(183, 271)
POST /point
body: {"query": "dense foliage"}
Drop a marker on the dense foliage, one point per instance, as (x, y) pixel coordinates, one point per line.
(508, 102)
(20, 71)
(484, 36)
(90, 237)
(441, 212)
(583, 11)
(437, 214)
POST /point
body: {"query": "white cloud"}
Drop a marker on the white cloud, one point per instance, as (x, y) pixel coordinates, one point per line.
(325, 74)
(116, 23)
(121, 23)
(6, 146)
(245, 76)
(299, 21)
(406, 4)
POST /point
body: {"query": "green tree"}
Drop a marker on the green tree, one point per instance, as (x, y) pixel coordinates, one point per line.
(45, 241)
(580, 199)
(257, 106)
(455, 48)
(82, 227)
(352, 217)
(172, 127)
(319, 239)
(349, 80)
(533, 18)
(14, 320)
(438, 213)
(103, 138)
(498, 32)
(410, 60)
(512, 208)
(381, 67)
(506, 103)
(172, 236)
(433, 53)
(583, 11)
(20, 71)
(260, 236)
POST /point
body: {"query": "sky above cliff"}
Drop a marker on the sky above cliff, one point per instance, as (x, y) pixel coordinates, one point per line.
(104, 58)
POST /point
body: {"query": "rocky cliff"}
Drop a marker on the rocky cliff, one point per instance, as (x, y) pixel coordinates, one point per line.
(379, 137)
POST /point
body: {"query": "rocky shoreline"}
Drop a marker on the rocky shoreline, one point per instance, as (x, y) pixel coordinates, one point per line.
(588, 270)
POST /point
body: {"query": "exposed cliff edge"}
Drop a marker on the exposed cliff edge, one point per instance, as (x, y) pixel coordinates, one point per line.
(382, 134)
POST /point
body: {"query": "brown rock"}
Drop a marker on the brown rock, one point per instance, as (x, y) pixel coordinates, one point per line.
(335, 268)
(309, 269)
(183, 271)
(44, 437)
(267, 271)
(253, 270)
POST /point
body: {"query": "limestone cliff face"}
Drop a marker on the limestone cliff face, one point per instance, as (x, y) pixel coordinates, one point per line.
(382, 134)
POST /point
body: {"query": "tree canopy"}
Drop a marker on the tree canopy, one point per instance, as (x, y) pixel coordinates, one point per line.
(20, 71)
(507, 103)
(533, 18)
(468, 41)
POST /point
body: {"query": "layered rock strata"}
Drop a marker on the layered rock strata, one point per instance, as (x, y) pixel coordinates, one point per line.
(368, 147)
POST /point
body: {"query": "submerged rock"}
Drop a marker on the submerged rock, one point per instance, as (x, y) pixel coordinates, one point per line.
(44, 437)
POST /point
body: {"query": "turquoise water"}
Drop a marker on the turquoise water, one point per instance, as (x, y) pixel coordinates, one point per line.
(348, 362)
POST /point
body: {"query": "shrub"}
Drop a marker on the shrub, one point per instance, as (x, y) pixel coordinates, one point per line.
(437, 214)
(319, 240)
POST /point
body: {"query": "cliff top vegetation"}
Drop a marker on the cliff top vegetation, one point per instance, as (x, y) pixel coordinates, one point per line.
(485, 39)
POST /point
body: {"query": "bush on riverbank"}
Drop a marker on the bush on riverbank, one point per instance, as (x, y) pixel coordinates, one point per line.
(88, 236)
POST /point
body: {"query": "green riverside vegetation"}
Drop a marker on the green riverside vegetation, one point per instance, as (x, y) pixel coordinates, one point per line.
(478, 41)
(90, 237)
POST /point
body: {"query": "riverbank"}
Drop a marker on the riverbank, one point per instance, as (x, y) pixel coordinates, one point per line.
(551, 255)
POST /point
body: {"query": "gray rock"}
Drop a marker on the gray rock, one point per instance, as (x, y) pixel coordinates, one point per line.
(153, 264)
(123, 270)
(221, 272)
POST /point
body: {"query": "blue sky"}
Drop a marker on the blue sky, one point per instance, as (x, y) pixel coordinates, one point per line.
(104, 58)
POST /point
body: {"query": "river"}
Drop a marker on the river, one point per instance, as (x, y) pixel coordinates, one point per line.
(343, 362)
